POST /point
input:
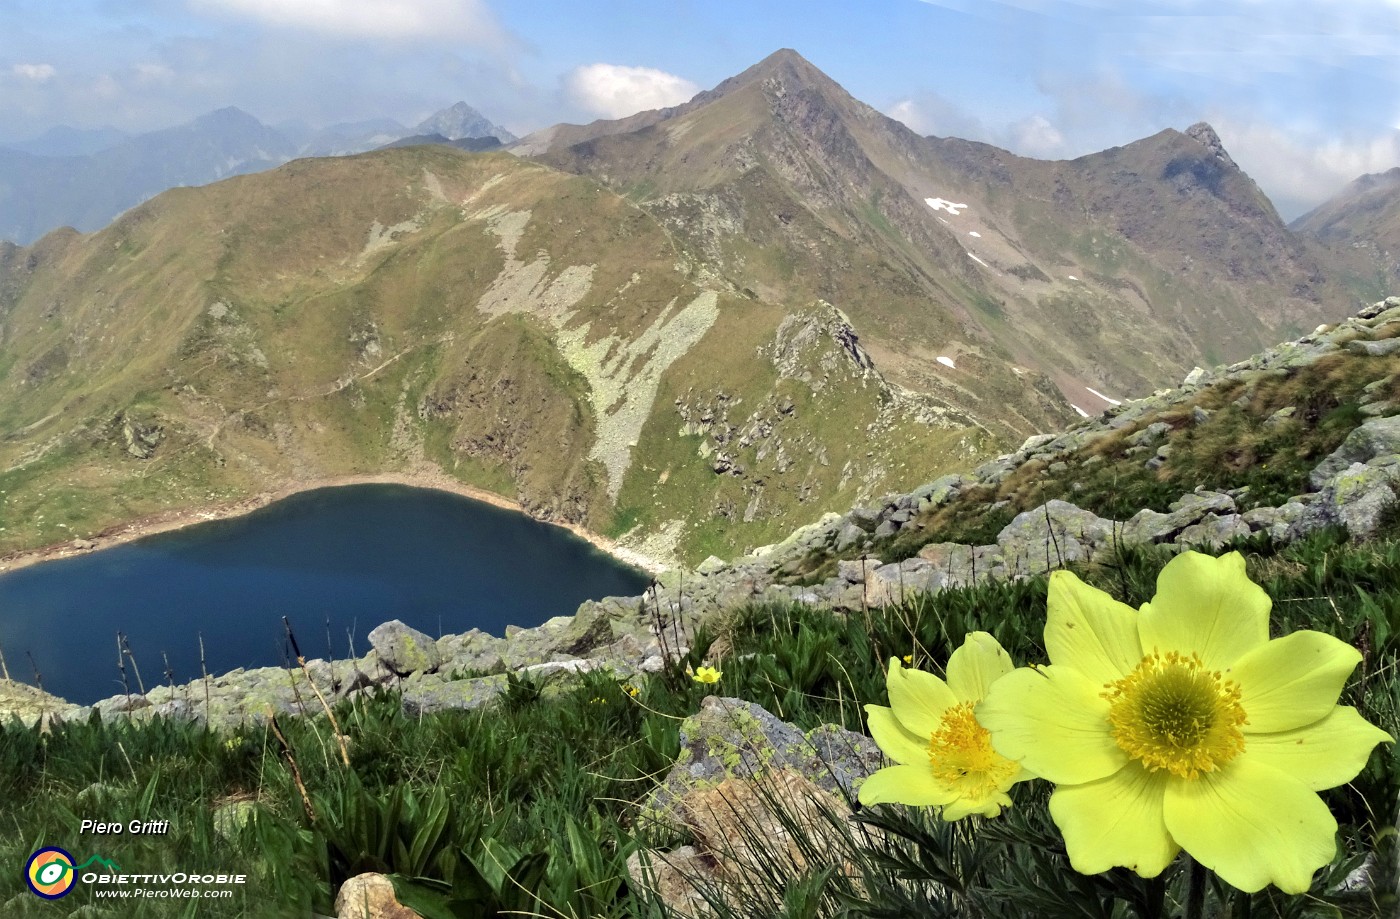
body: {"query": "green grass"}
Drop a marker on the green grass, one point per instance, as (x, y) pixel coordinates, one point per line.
(532, 805)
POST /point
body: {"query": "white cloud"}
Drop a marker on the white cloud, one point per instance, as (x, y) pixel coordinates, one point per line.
(1036, 136)
(1299, 173)
(153, 73)
(929, 113)
(34, 73)
(452, 20)
(616, 91)
(913, 118)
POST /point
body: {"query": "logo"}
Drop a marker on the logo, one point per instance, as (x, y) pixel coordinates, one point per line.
(49, 873)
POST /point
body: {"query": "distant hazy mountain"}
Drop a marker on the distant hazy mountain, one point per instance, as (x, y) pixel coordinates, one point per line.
(63, 140)
(461, 121)
(350, 137)
(84, 179)
(39, 194)
(469, 144)
(1362, 222)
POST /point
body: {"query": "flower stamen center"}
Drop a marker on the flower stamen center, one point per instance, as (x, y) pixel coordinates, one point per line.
(961, 755)
(1171, 713)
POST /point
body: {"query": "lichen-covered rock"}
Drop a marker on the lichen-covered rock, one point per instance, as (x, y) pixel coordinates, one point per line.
(746, 786)
(731, 738)
(848, 536)
(1214, 531)
(853, 571)
(28, 704)
(403, 649)
(1382, 348)
(1285, 523)
(1153, 432)
(370, 896)
(1358, 496)
(1148, 526)
(427, 694)
(474, 650)
(1376, 437)
(1050, 535)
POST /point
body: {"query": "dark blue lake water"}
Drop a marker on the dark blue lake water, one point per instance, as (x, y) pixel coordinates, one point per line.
(358, 555)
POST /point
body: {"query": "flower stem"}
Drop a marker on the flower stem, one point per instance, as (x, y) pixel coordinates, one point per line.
(1156, 897)
(1195, 890)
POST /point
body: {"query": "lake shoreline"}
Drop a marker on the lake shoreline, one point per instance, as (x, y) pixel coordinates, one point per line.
(167, 521)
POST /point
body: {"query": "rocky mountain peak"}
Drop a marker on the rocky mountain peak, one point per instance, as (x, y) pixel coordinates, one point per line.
(785, 68)
(462, 121)
(1205, 135)
(228, 117)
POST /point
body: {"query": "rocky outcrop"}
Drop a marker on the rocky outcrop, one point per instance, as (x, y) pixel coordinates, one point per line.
(404, 650)
(370, 896)
(745, 786)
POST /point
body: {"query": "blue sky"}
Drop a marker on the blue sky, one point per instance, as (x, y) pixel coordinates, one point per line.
(1305, 95)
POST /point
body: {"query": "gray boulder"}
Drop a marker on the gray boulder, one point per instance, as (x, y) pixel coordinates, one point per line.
(1214, 531)
(1048, 536)
(732, 738)
(424, 695)
(1380, 348)
(1148, 526)
(404, 650)
(1376, 437)
(1359, 495)
(1285, 523)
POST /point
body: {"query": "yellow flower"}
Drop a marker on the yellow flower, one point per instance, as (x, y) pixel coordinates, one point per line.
(707, 675)
(908, 660)
(1184, 726)
(631, 690)
(945, 757)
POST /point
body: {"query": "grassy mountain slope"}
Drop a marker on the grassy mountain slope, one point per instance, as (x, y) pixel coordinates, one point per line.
(1361, 226)
(423, 309)
(1077, 269)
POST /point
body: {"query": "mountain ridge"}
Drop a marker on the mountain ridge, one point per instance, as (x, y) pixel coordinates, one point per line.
(686, 331)
(40, 193)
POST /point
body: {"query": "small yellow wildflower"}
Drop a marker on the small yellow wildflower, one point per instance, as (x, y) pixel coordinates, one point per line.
(1184, 726)
(631, 690)
(707, 675)
(597, 700)
(944, 756)
(908, 660)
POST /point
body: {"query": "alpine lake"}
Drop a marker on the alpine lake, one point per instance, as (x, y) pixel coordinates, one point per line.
(336, 562)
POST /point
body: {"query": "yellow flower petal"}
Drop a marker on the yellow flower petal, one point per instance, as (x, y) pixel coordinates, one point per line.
(1323, 754)
(893, 739)
(1090, 631)
(913, 785)
(1206, 606)
(1292, 681)
(1115, 821)
(1054, 721)
(1252, 825)
(963, 807)
(919, 699)
(976, 665)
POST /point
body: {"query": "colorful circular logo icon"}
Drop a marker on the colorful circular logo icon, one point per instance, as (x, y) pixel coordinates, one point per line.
(49, 873)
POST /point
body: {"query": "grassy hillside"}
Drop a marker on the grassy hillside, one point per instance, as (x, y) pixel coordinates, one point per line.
(429, 311)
